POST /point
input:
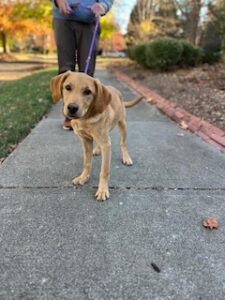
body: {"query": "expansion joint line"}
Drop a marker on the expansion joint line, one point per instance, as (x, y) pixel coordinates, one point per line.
(140, 188)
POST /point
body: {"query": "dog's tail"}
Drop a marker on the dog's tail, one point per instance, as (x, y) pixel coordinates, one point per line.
(131, 103)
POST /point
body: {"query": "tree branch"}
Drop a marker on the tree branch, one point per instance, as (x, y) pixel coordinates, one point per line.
(179, 6)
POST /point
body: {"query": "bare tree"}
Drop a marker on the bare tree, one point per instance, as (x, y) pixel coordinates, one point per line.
(215, 25)
(190, 12)
(151, 18)
(142, 11)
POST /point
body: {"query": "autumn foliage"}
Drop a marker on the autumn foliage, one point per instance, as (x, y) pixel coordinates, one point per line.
(23, 17)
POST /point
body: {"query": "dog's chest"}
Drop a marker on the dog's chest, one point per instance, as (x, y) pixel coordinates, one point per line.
(82, 130)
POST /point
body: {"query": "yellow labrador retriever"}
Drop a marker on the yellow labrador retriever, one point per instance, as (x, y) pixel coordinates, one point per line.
(94, 110)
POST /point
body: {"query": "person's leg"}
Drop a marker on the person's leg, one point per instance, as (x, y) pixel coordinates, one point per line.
(66, 50)
(84, 34)
(66, 45)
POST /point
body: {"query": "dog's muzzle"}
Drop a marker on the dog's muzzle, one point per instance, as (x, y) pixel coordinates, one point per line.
(72, 109)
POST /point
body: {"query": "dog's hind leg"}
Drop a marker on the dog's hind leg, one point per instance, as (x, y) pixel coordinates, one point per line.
(123, 136)
(87, 145)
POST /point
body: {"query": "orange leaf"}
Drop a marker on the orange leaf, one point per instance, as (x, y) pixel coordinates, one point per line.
(210, 223)
(183, 125)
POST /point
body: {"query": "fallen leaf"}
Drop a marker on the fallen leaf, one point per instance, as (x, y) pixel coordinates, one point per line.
(180, 134)
(149, 99)
(183, 125)
(210, 223)
(11, 148)
(155, 267)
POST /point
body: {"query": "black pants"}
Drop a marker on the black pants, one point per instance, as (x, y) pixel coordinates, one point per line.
(73, 40)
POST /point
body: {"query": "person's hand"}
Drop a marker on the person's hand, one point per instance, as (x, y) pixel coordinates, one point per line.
(98, 9)
(64, 7)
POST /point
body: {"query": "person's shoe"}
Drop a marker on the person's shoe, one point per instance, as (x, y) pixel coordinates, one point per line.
(67, 124)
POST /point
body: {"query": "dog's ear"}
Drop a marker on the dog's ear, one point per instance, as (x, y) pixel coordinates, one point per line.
(56, 85)
(102, 98)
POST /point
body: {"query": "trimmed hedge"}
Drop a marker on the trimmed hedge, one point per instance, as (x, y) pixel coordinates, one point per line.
(130, 52)
(167, 53)
(163, 53)
(191, 55)
(210, 57)
(139, 54)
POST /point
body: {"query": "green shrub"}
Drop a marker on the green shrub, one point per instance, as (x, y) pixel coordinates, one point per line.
(130, 52)
(163, 53)
(139, 54)
(166, 53)
(210, 57)
(191, 55)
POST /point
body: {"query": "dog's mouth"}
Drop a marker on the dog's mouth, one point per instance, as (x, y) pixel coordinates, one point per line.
(72, 117)
(77, 115)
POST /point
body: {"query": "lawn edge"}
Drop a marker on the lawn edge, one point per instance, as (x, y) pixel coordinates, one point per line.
(9, 150)
(208, 132)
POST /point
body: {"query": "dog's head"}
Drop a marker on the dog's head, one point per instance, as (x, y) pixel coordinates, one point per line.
(83, 96)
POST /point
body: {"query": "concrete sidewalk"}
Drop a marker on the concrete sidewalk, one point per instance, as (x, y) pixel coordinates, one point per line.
(57, 242)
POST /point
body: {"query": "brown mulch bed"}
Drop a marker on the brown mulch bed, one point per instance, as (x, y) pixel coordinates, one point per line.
(200, 91)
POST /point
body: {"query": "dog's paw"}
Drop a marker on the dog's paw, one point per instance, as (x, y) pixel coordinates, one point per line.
(127, 161)
(102, 194)
(80, 180)
(96, 151)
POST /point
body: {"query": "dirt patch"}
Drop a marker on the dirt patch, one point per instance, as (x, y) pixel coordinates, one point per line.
(6, 57)
(200, 91)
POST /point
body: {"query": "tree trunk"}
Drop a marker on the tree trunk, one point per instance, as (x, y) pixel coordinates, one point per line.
(4, 42)
(192, 21)
(195, 20)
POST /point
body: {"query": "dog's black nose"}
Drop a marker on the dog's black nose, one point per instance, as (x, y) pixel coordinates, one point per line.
(72, 108)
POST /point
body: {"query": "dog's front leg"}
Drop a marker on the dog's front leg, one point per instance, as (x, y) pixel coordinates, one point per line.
(97, 150)
(87, 145)
(103, 189)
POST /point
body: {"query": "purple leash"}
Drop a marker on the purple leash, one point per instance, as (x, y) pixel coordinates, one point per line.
(91, 46)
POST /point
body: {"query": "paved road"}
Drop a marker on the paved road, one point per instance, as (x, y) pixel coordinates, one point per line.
(57, 242)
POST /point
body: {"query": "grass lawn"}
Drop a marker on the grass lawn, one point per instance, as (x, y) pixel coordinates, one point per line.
(22, 104)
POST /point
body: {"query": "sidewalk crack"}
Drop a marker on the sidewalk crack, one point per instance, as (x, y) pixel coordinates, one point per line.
(140, 188)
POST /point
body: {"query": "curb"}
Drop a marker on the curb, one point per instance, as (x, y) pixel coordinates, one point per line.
(208, 132)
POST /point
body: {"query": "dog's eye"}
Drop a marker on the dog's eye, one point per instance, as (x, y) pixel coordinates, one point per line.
(68, 87)
(87, 92)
